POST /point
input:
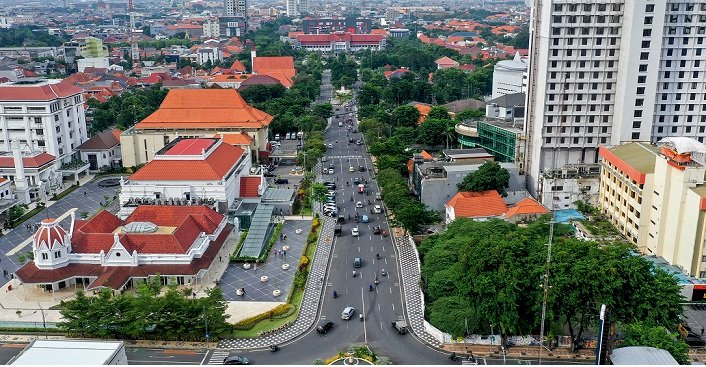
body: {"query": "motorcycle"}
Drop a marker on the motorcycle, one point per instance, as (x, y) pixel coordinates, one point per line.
(274, 348)
(360, 316)
(335, 294)
(383, 272)
(353, 273)
(370, 287)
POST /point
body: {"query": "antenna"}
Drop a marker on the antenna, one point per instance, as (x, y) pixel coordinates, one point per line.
(135, 50)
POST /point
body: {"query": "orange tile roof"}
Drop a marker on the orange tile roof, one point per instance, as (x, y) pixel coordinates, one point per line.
(446, 61)
(527, 206)
(278, 67)
(410, 166)
(238, 66)
(423, 111)
(426, 155)
(381, 32)
(478, 204)
(39, 93)
(235, 139)
(204, 109)
(214, 168)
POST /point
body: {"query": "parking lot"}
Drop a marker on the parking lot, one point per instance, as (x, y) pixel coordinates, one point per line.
(236, 277)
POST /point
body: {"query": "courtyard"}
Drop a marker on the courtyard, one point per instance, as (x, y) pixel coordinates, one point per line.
(278, 275)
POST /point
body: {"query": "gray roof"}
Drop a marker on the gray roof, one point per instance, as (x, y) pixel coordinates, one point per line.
(642, 356)
(275, 194)
(68, 352)
(509, 100)
(464, 104)
(258, 234)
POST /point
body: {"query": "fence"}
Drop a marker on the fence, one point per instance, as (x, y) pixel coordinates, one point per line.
(28, 324)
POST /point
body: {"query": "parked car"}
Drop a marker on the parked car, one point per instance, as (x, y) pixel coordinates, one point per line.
(347, 313)
(351, 169)
(324, 327)
(337, 230)
(341, 219)
(361, 168)
(281, 181)
(330, 171)
(378, 196)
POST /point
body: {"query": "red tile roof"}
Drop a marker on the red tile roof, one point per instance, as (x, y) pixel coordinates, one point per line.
(235, 139)
(38, 93)
(238, 66)
(527, 206)
(214, 168)
(278, 67)
(478, 204)
(35, 161)
(446, 61)
(426, 155)
(249, 186)
(116, 277)
(190, 147)
(204, 109)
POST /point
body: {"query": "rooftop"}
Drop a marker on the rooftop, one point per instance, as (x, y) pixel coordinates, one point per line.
(39, 90)
(204, 109)
(634, 159)
(190, 147)
(478, 204)
(68, 352)
(509, 100)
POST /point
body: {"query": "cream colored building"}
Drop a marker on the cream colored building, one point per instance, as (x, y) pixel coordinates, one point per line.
(195, 113)
(656, 197)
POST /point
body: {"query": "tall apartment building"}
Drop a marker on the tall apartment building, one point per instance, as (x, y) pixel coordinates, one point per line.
(44, 115)
(236, 8)
(603, 72)
(297, 7)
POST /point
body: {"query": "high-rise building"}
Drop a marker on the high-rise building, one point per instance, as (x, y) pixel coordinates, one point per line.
(606, 72)
(297, 7)
(236, 8)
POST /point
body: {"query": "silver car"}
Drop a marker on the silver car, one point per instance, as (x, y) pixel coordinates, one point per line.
(347, 313)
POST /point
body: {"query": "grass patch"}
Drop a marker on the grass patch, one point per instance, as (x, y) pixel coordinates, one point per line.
(27, 215)
(62, 194)
(295, 296)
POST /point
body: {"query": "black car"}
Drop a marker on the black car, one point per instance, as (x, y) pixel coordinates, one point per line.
(281, 181)
(356, 180)
(361, 168)
(235, 359)
(324, 327)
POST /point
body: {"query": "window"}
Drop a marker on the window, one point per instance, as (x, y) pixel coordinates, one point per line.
(636, 124)
(45, 256)
(635, 136)
(648, 20)
(649, 8)
(57, 254)
(645, 44)
(639, 102)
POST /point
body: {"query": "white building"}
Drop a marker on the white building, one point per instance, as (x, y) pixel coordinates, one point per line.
(72, 352)
(603, 73)
(102, 150)
(236, 8)
(193, 170)
(297, 7)
(46, 116)
(206, 54)
(211, 28)
(510, 76)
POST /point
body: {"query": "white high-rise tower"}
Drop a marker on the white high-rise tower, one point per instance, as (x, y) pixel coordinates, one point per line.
(603, 72)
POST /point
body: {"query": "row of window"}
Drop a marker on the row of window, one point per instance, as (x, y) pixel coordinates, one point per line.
(588, 7)
(591, 119)
(588, 140)
(598, 41)
(595, 19)
(577, 129)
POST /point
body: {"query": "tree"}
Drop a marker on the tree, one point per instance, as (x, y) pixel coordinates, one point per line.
(324, 110)
(319, 192)
(469, 114)
(413, 214)
(643, 335)
(490, 176)
(405, 116)
(439, 113)
(432, 132)
(255, 94)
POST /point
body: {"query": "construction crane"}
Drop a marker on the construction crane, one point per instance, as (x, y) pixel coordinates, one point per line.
(134, 49)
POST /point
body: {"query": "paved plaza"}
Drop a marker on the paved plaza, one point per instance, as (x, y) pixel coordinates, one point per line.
(236, 276)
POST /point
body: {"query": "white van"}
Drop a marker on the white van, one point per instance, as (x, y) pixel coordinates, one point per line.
(299, 135)
(276, 137)
(288, 136)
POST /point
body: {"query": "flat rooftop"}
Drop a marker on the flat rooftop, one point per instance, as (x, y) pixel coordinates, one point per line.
(67, 352)
(640, 156)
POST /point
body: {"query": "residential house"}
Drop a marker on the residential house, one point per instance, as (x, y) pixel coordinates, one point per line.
(102, 151)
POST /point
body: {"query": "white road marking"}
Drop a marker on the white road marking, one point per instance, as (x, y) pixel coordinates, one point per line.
(378, 307)
(393, 305)
(385, 261)
(383, 248)
(365, 329)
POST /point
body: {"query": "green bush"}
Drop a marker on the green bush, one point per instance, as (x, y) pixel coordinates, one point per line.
(250, 322)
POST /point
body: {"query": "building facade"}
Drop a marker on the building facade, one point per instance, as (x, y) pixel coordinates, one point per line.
(197, 113)
(192, 171)
(335, 43)
(45, 116)
(656, 197)
(333, 25)
(510, 77)
(236, 8)
(604, 73)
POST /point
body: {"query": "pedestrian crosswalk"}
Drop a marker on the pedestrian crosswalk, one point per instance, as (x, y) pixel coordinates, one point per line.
(218, 356)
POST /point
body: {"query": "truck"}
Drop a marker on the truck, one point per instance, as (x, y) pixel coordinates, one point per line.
(400, 326)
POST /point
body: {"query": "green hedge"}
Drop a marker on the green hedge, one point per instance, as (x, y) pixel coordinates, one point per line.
(250, 322)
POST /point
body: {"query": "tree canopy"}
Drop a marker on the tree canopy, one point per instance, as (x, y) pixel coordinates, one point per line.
(127, 109)
(490, 176)
(488, 272)
(643, 335)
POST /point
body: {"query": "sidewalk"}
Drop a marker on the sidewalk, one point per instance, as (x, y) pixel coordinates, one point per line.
(519, 352)
(21, 339)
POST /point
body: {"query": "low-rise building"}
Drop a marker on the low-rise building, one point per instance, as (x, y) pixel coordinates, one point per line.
(656, 197)
(446, 63)
(206, 54)
(508, 107)
(72, 352)
(333, 25)
(181, 245)
(341, 42)
(195, 113)
(277, 67)
(399, 32)
(481, 205)
(191, 171)
(102, 151)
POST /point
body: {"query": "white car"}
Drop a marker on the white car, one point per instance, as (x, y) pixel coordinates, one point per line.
(358, 204)
(347, 313)
(377, 209)
(330, 171)
(355, 232)
(351, 169)
(330, 146)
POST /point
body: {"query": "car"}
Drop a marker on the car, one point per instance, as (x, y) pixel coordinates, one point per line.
(376, 230)
(331, 186)
(276, 137)
(341, 219)
(337, 229)
(357, 262)
(235, 359)
(365, 219)
(400, 326)
(351, 169)
(355, 232)
(359, 142)
(324, 327)
(330, 171)
(340, 124)
(347, 313)
(330, 146)
(330, 207)
(361, 188)
(281, 181)
(361, 168)
(356, 180)
(359, 204)
(323, 159)
(378, 196)
(330, 199)
(377, 209)
(288, 136)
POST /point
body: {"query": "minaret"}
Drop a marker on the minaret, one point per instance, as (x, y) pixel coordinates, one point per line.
(21, 185)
